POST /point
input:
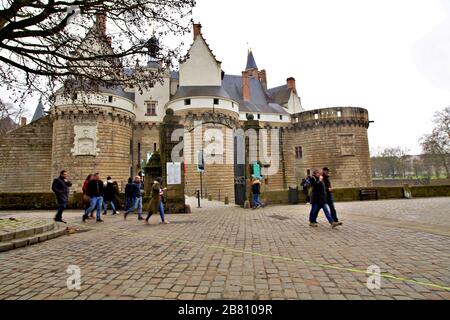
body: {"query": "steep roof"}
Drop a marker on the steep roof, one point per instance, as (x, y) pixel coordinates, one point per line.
(200, 91)
(40, 112)
(259, 100)
(251, 63)
(280, 94)
(7, 124)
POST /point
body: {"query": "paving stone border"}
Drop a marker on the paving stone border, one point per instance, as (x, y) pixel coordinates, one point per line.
(23, 232)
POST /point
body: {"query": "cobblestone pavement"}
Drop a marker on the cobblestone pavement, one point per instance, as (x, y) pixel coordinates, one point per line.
(225, 252)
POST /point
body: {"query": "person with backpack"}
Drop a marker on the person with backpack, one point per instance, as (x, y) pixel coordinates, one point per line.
(128, 196)
(86, 198)
(306, 185)
(136, 198)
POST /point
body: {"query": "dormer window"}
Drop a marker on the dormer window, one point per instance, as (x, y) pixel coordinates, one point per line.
(187, 102)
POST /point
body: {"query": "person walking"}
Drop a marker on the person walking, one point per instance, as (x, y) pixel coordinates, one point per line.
(329, 193)
(95, 191)
(136, 198)
(109, 196)
(116, 197)
(306, 184)
(86, 198)
(156, 202)
(60, 187)
(318, 200)
(128, 197)
(256, 191)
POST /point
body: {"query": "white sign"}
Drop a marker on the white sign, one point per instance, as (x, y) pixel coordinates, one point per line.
(173, 173)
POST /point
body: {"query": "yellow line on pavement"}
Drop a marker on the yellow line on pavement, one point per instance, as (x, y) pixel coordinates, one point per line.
(326, 266)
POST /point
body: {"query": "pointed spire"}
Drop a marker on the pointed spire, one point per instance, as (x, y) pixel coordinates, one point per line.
(251, 64)
(40, 112)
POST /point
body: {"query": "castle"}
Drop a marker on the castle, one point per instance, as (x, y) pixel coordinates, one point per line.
(115, 137)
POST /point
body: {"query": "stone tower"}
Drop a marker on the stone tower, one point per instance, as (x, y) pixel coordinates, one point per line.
(93, 133)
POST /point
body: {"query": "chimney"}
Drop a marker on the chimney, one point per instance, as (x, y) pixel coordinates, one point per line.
(101, 22)
(23, 121)
(291, 84)
(263, 78)
(197, 29)
(245, 87)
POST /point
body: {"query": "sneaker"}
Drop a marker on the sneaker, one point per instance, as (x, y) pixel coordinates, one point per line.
(84, 218)
(141, 219)
(334, 224)
(105, 213)
(166, 222)
(115, 212)
(99, 220)
(339, 223)
(313, 224)
(59, 220)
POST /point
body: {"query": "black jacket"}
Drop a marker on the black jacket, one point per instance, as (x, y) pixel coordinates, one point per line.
(61, 189)
(135, 190)
(318, 194)
(109, 192)
(128, 188)
(326, 181)
(95, 188)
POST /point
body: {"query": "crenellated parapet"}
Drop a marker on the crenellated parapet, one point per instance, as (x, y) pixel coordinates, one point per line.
(331, 117)
(93, 113)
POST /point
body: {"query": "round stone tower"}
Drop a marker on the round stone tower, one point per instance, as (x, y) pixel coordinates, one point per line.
(92, 132)
(335, 138)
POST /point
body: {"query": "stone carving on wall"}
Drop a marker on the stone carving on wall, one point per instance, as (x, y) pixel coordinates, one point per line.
(347, 143)
(85, 141)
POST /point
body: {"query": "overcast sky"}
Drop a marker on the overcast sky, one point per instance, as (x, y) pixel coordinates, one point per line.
(389, 56)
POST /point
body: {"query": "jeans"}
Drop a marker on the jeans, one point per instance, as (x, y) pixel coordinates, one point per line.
(61, 207)
(136, 204)
(161, 212)
(113, 207)
(256, 200)
(315, 208)
(95, 202)
(330, 202)
(128, 203)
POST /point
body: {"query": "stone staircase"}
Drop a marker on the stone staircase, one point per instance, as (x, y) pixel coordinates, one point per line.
(17, 232)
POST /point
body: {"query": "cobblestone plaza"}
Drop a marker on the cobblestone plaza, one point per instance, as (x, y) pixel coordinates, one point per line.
(226, 252)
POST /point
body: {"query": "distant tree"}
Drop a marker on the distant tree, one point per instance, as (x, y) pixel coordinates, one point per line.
(10, 110)
(437, 143)
(40, 41)
(390, 162)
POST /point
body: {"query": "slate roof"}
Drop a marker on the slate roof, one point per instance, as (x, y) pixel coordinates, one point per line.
(117, 90)
(39, 113)
(280, 94)
(251, 63)
(260, 101)
(200, 91)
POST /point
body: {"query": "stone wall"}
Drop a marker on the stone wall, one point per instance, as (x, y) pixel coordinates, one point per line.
(25, 158)
(218, 178)
(145, 138)
(113, 137)
(335, 138)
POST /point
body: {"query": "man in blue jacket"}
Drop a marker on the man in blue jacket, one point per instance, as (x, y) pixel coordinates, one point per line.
(60, 187)
(136, 198)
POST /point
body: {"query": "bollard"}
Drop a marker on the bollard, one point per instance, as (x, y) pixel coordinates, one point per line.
(198, 198)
